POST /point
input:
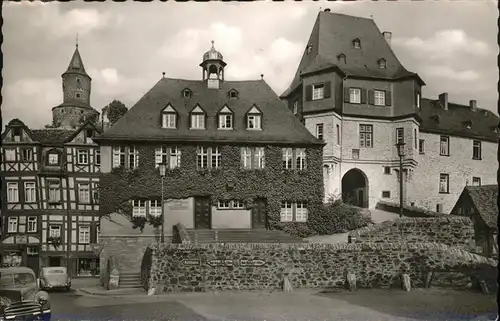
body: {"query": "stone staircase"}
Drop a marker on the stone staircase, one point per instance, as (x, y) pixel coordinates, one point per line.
(241, 236)
(129, 280)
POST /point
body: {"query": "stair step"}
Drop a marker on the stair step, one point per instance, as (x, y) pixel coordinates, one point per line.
(130, 286)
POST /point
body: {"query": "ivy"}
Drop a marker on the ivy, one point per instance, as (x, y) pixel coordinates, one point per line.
(273, 183)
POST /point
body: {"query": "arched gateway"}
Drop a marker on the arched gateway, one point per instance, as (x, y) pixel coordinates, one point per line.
(355, 188)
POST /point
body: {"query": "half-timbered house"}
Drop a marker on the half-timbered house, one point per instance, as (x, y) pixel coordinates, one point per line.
(50, 180)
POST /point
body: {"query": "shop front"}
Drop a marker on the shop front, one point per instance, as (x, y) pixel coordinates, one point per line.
(87, 266)
(20, 250)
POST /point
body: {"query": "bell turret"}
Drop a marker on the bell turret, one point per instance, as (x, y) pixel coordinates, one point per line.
(213, 68)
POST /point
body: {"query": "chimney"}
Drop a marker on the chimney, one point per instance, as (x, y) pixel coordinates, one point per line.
(443, 99)
(327, 10)
(473, 105)
(388, 36)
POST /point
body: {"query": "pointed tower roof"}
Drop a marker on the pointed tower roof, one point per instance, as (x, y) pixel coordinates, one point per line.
(76, 64)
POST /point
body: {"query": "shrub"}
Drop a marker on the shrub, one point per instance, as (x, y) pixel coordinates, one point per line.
(338, 217)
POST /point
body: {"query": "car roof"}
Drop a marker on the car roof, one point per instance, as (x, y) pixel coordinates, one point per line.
(48, 268)
(16, 269)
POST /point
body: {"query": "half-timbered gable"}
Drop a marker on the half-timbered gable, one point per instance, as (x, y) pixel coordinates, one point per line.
(19, 152)
(82, 153)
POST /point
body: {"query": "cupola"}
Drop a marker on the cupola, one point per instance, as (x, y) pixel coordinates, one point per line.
(213, 68)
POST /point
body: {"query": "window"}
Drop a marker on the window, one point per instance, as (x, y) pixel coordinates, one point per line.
(301, 158)
(26, 155)
(155, 207)
(53, 159)
(170, 156)
(233, 94)
(186, 93)
(415, 138)
(120, 158)
(253, 157)
(12, 193)
(77, 95)
(421, 146)
(319, 131)
(400, 135)
(226, 121)
(318, 92)
(338, 134)
(295, 107)
(32, 250)
(293, 212)
(387, 170)
(379, 98)
(97, 157)
(382, 64)
(12, 225)
(253, 122)
(84, 193)
(55, 231)
(476, 149)
(365, 136)
(444, 183)
(386, 194)
(444, 146)
(16, 134)
(54, 192)
(476, 181)
(29, 192)
(418, 100)
(168, 120)
(95, 192)
(356, 44)
(287, 158)
(208, 157)
(10, 154)
(32, 226)
(84, 234)
(354, 95)
(83, 157)
(197, 121)
(230, 204)
(355, 154)
(138, 208)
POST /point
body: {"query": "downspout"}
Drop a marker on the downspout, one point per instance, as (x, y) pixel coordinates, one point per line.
(341, 133)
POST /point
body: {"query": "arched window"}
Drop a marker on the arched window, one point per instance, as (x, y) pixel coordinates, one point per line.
(341, 58)
(382, 64)
(356, 43)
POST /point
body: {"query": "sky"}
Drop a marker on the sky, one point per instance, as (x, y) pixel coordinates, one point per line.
(126, 46)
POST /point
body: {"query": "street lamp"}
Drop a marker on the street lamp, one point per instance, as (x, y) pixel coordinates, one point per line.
(401, 153)
(163, 169)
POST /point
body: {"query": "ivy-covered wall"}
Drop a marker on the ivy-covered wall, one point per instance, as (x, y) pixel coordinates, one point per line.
(230, 181)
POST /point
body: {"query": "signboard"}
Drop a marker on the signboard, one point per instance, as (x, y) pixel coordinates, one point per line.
(215, 263)
(252, 262)
(178, 204)
(20, 239)
(191, 262)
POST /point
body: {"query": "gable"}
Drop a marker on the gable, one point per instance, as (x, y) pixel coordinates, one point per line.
(168, 109)
(81, 135)
(254, 110)
(198, 110)
(225, 110)
(10, 133)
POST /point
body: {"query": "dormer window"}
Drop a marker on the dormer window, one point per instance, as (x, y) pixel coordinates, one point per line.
(225, 118)
(186, 93)
(233, 94)
(88, 136)
(382, 64)
(53, 158)
(309, 48)
(254, 119)
(356, 43)
(16, 134)
(197, 118)
(468, 124)
(168, 117)
(341, 58)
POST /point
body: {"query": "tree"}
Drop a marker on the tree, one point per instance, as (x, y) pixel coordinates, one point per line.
(114, 111)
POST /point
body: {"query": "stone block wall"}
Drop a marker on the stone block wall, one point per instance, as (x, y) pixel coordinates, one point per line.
(449, 230)
(408, 211)
(208, 267)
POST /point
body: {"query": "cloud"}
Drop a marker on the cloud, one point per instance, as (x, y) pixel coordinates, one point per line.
(444, 44)
(450, 73)
(110, 76)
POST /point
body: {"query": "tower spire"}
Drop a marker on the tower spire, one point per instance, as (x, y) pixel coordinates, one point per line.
(77, 39)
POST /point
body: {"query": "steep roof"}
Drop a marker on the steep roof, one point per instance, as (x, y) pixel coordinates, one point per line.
(453, 121)
(333, 34)
(485, 200)
(142, 121)
(51, 135)
(76, 64)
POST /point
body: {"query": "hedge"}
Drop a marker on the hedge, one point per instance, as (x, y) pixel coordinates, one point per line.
(230, 181)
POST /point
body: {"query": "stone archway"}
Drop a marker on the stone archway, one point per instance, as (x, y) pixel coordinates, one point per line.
(355, 188)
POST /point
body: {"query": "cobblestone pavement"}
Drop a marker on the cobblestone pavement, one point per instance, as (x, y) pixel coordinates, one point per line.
(301, 305)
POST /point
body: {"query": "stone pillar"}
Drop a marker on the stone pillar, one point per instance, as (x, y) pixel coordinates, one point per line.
(405, 281)
(351, 281)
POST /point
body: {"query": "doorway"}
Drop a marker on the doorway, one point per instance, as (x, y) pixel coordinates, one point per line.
(55, 261)
(202, 213)
(259, 216)
(355, 188)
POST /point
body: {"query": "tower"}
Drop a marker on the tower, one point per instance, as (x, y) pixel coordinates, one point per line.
(213, 68)
(76, 84)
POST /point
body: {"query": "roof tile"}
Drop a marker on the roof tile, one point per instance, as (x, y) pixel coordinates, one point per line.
(485, 199)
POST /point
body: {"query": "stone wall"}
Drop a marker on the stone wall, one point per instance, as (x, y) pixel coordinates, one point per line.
(207, 267)
(449, 230)
(408, 211)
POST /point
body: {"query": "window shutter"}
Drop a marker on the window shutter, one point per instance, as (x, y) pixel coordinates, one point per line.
(388, 98)
(371, 95)
(346, 95)
(217, 120)
(190, 121)
(176, 120)
(328, 89)
(309, 92)
(363, 96)
(93, 234)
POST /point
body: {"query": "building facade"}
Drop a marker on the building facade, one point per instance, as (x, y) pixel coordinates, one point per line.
(355, 95)
(50, 180)
(236, 157)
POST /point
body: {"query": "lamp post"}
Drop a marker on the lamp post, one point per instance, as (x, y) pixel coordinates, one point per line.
(401, 153)
(163, 169)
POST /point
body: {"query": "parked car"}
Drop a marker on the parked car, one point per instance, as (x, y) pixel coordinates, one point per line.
(55, 278)
(21, 297)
